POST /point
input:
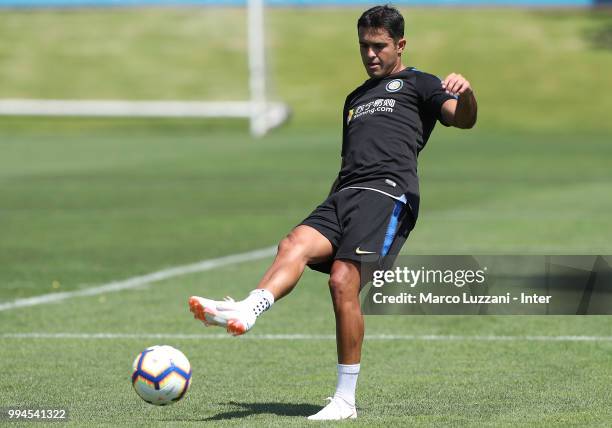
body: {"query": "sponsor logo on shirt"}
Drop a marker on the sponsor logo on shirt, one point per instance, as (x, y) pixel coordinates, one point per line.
(381, 105)
(350, 116)
(394, 85)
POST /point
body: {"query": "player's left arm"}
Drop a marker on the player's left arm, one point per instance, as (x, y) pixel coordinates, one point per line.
(460, 112)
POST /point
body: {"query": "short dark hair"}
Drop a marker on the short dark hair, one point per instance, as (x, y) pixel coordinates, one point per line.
(386, 17)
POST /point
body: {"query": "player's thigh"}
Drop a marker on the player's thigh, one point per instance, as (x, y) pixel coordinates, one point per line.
(324, 232)
(311, 244)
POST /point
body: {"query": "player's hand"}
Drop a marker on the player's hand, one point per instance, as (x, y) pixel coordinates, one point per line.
(456, 85)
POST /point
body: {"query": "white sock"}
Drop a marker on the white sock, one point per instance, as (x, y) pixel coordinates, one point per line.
(259, 301)
(347, 382)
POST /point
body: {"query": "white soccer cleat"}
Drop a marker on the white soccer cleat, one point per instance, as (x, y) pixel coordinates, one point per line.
(234, 316)
(337, 409)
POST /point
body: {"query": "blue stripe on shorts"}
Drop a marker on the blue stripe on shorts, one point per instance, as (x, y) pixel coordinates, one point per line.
(392, 228)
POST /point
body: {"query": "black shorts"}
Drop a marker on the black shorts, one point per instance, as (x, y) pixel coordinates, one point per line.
(365, 226)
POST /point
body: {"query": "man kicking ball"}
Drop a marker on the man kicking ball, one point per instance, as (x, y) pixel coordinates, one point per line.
(374, 202)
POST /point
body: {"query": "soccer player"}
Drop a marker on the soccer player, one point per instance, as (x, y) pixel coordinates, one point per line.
(374, 201)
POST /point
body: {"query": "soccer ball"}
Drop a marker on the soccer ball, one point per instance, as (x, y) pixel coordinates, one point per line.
(161, 375)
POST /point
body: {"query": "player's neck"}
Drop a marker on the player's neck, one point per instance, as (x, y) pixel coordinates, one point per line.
(399, 67)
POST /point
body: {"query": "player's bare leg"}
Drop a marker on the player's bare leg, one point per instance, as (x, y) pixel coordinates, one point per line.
(344, 285)
(302, 246)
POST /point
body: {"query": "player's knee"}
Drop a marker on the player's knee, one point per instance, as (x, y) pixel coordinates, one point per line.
(335, 286)
(290, 245)
(343, 285)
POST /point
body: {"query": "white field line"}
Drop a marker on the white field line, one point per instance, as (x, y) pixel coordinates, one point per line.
(306, 337)
(138, 281)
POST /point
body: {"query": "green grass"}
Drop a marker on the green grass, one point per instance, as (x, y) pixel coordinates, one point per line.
(258, 382)
(532, 70)
(84, 210)
(89, 209)
(85, 202)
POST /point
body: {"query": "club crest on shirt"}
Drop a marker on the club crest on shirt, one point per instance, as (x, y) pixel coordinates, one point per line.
(394, 85)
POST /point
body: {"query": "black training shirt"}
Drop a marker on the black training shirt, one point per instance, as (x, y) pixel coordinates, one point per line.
(387, 122)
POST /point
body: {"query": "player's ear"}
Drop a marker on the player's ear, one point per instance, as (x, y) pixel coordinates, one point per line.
(401, 44)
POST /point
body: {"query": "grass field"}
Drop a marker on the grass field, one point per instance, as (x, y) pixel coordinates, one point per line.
(87, 202)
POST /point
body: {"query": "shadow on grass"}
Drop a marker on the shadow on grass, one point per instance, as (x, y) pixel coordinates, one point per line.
(279, 409)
